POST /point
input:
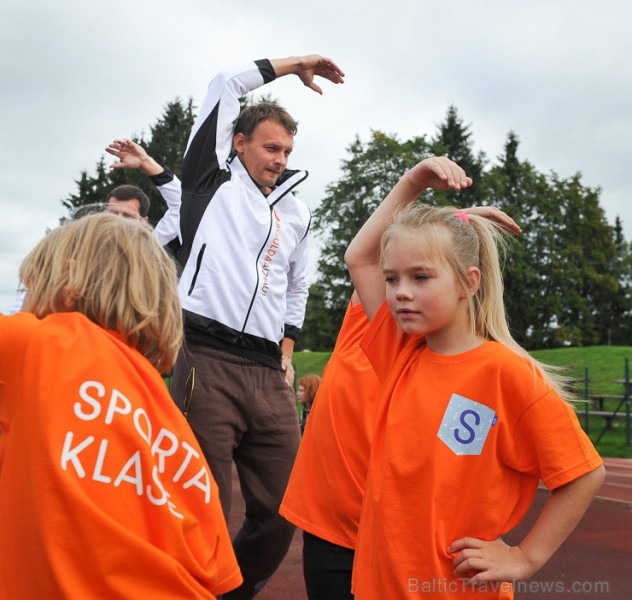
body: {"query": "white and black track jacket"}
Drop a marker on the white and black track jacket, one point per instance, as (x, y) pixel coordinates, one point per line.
(244, 256)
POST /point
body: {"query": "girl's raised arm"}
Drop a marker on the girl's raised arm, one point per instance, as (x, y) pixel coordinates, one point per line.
(362, 256)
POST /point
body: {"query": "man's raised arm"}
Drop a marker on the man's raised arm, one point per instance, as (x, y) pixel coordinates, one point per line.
(133, 156)
(307, 67)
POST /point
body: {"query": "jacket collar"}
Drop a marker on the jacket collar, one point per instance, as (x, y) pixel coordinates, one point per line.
(288, 180)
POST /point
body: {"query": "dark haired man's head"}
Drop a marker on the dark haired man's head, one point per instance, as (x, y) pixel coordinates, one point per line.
(128, 201)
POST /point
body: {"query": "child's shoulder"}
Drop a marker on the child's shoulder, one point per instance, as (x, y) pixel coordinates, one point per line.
(62, 326)
(504, 354)
(17, 324)
(16, 333)
(510, 364)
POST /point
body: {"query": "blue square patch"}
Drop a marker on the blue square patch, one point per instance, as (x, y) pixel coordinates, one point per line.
(465, 425)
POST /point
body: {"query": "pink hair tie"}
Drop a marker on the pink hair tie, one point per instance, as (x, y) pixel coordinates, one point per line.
(461, 215)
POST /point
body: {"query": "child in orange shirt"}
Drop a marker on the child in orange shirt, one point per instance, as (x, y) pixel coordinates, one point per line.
(104, 490)
(325, 490)
(324, 493)
(468, 423)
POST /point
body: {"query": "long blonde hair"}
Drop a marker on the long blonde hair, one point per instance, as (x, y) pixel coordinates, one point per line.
(114, 272)
(474, 241)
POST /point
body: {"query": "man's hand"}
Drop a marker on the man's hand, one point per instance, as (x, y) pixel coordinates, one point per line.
(288, 369)
(133, 156)
(313, 65)
(307, 67)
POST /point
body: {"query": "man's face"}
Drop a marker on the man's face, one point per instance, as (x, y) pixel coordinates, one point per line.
(266, 153)
(129, 209)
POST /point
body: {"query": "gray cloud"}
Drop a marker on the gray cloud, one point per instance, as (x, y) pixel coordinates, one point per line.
(76, 75)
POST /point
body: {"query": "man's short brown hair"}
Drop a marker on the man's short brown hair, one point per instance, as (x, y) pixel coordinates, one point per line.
(252, 115)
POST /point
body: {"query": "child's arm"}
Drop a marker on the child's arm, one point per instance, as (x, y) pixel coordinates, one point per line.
(495, 214)
(362, 256)
(496, 561)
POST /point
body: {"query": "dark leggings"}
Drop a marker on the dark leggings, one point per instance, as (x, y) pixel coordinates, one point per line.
(327, 569)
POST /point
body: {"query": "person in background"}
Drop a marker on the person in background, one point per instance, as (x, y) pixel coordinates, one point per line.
(306, 392)
(128, 201)
(133, 156)
(131, 202)
(324, 493)
(468, 423)
(106, 491)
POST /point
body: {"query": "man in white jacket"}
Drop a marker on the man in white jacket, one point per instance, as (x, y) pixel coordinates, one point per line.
(244, 289)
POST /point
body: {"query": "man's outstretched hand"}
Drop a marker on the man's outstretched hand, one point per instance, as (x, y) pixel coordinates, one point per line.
(133, 156)
(313, 65)
(307, 68)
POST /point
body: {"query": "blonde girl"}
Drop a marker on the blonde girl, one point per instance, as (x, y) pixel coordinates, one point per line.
(114, 274)
(107, 490)
(468, 423)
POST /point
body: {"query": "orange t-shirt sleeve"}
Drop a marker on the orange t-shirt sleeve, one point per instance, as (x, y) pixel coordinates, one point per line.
(550, 443)
(383, 342)
(335, 447)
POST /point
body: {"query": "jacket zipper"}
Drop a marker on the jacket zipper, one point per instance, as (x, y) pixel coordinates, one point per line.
(198, 265)
(254, 294)
(271, 208)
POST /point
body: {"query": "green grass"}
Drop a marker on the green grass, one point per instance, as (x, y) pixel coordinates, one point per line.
(310, 363)
(604, 364)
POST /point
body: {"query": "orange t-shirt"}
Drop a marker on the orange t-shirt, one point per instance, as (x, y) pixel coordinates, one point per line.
(104, 491)
(324, 494)
(460, 445)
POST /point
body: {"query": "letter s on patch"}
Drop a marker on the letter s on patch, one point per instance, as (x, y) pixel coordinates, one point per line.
(465, 425)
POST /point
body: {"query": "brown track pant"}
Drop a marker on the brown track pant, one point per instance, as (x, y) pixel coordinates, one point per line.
(244, 412)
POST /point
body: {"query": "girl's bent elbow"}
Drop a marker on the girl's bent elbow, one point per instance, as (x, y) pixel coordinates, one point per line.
(599, 475)
(348, 258)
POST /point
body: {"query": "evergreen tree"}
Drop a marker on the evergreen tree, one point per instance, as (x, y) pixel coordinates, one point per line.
(454, 139)
(319, 330)
(166, 143)
(367, 177)
(561, 263)
(518, 189)
(586, 254)
(91, 190)
(617, 322)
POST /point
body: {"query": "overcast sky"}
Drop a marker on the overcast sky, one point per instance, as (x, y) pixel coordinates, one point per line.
(77, 74)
